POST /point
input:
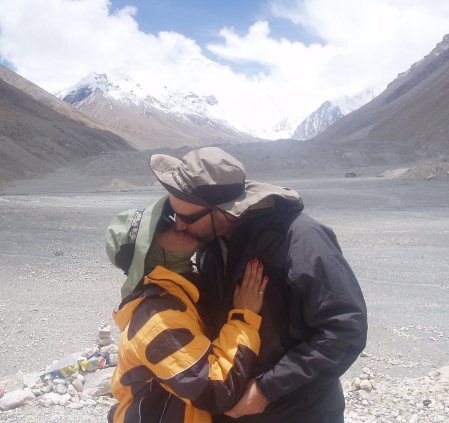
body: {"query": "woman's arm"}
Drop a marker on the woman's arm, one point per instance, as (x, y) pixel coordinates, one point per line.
(210, 376)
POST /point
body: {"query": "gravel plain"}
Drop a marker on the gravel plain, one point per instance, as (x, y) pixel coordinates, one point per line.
(57, 286)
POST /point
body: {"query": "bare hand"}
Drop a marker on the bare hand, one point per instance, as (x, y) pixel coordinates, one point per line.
(253, 401)
(250, 294)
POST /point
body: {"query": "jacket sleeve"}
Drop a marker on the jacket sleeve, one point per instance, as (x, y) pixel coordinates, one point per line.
(210, 376)
(327, 313)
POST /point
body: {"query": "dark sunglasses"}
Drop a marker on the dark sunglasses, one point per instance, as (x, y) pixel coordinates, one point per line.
(192, 219)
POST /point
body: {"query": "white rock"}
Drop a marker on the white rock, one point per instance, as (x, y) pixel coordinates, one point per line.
(60, 389)
(105, 341)
(89, 401)
(47, 388)
(366, 370)
(64, 399)
(16, 398)
(74, 405)
(78, 385)
(364, 376)
(31, 380)
(109, 349)
(444, 374)
(98, 383)
(81, 378)
(45, 402)
(366, 384)
(12, 382)
(58, 381)
(356, 383)
(71, 390)
(53, 397)
(113, 359)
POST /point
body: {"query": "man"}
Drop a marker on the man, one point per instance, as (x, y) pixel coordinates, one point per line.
(314, 321)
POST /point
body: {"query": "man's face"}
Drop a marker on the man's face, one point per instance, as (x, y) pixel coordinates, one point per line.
(202, 229)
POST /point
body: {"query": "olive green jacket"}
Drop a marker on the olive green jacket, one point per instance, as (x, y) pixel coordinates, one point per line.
(131, 234)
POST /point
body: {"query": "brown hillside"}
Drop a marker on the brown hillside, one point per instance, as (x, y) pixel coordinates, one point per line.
(35, 139)
(412, 111)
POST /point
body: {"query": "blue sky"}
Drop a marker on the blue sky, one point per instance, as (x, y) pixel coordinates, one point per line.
(265, 60)
(202, 21)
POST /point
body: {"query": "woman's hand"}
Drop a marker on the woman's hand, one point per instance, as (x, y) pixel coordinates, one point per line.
(250, 294)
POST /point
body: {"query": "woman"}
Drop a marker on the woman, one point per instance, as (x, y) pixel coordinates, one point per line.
(168, 370)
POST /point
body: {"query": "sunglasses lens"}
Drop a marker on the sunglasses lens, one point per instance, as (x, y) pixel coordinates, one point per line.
(189, 220)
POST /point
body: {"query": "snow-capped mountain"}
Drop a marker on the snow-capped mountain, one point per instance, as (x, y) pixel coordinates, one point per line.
(330, 111)
(174, 118)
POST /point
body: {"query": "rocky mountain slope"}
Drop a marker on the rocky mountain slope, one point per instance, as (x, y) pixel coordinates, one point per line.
(412, 112)
(125, 107)
(329, 112)
(39, 134)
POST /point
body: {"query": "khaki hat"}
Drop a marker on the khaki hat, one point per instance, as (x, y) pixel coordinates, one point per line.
(212, 178)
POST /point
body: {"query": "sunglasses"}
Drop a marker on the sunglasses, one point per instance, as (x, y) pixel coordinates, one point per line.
(189, 220)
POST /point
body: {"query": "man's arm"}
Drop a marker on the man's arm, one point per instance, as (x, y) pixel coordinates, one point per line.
(327, 315)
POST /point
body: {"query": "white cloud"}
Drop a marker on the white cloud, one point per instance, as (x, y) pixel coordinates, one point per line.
(55, 43)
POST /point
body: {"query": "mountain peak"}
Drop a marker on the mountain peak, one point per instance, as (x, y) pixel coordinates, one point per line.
(331, 111)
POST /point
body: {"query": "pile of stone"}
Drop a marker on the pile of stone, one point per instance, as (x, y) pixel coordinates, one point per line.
(119, 185)
(424, 400)
(72, 382)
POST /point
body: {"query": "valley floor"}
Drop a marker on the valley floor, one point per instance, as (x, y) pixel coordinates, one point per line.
(57, 285)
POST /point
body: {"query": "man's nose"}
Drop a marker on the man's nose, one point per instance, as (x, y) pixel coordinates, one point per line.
(179, 224)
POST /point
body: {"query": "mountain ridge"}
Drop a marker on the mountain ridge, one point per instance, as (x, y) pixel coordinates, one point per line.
(149, 122)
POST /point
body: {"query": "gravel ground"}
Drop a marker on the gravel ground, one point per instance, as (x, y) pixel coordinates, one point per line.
(57, 286)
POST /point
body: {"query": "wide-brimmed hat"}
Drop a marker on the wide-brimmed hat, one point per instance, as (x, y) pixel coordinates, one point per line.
(212, 178)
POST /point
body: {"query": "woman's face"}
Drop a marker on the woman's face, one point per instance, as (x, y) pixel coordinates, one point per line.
(176, 241)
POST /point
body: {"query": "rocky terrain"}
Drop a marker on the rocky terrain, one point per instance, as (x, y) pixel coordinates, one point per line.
(57, 285)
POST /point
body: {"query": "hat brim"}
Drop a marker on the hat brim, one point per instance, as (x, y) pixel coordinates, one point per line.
(164, 166)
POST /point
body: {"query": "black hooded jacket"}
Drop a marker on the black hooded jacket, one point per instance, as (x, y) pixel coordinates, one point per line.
(314, 319)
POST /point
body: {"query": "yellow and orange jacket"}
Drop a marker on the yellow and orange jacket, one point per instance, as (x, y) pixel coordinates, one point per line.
(168, 370)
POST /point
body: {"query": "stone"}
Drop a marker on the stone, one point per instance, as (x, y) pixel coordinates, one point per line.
(45, 402)
(71, 390)
(64, 399)
(89, 401)
(78, 385)
(47, 388)
(81, 378)
(74, 405)
(12, 382)
(16, 398)
(366, 384)
(113, 360)
(53, 397)
(98, 383)
(374, 396)
(58, 381)
(74, 376)
(31, 380)
(105, 341)
(109, 349)
(60, 389)
(356, 384)
(444, 374)
(366, 370)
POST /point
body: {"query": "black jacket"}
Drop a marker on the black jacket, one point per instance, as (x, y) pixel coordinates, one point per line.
(314, 320)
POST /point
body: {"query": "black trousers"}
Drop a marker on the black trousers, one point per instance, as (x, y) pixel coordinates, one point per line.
(332, 417)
